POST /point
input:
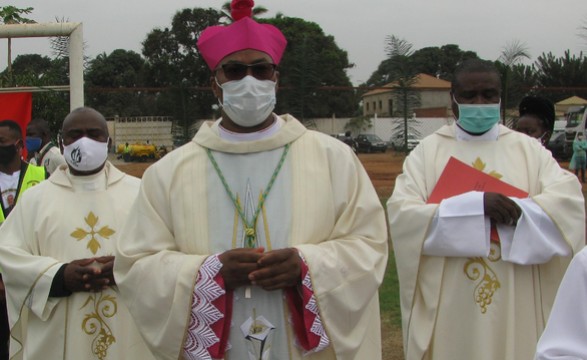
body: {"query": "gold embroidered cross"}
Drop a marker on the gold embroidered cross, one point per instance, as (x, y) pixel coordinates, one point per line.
(93, 244)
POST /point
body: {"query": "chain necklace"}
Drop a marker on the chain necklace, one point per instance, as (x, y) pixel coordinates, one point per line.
(250, 227)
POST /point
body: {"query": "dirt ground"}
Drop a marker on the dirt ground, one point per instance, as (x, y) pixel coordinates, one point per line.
(382, 169)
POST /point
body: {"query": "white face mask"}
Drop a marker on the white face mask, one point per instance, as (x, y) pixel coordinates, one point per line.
(248, 101)
(86, 154)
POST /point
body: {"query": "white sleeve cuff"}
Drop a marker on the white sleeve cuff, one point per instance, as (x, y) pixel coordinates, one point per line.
(534, 240)
(459, 228)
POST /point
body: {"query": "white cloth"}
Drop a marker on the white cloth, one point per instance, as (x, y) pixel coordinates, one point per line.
(60, 220)
(535, 239)
(565, 336)
(481, 306)
(322, 203)
(51, 159)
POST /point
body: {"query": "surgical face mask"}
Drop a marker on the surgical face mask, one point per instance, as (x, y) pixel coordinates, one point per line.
(33, 144)
(85, 154)
(248, 101)
(478, 118)
(7, 153)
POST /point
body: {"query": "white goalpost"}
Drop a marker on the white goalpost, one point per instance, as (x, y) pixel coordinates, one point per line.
(76, 57)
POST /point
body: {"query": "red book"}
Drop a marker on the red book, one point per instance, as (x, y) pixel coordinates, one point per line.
(458, 178)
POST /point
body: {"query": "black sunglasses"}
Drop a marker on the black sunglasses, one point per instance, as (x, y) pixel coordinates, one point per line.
(237, 71)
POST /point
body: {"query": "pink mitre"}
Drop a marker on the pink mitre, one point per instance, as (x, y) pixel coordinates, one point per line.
(217, 42)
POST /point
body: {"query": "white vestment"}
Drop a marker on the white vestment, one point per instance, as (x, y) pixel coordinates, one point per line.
(493, 303)
(60, 220)
(322, 203)
(565, 336)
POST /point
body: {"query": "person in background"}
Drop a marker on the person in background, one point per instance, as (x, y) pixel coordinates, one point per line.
(41, 149)
(16, 177)
(466, 294)
(579, 159)
(536, 118)
(56, 255)
(348, 139)
(259, 239)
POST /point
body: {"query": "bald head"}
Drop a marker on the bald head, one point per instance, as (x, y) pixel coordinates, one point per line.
(85, 114)
(84, 122)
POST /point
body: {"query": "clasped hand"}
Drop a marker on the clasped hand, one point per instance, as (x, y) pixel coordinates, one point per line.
(501, 209)
(273, 270)
(93, 274)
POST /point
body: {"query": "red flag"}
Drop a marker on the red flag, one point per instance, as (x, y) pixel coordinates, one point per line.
(17, 107)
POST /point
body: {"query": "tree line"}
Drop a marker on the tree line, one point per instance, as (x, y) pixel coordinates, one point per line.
(169, 77)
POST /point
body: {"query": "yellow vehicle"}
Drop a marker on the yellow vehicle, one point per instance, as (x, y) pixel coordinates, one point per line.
(137, 152)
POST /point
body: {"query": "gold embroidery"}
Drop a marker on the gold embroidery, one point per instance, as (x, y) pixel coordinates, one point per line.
(104, 306)
(104, 232)
(480, 165)
(477, 268)
(488, 283)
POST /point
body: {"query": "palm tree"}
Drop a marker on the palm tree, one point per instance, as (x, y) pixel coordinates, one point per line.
(227, 18)
(11, 15)
(404, 77)
(511, 55)
(583, 30)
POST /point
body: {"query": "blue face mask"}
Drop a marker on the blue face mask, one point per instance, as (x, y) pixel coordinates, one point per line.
(33, 144)
(478, 118)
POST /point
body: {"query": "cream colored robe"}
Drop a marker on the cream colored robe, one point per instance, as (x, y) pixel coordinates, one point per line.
(337, 223)
(480, 308)
(53, 225)
(565, 336)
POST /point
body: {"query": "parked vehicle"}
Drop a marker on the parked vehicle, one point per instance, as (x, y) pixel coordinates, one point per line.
(397, 141)
(576, 120)
(347, 139)
(139, 152)
(370, 143)
(557, 145)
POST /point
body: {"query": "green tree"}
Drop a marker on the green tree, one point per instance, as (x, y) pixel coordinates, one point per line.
(512, 54)
(174, 63)
(40, 71)
(404, 76)
(312, 74)
(227, 16)
(436, 61)
(119, 69)
(562, 77)
(12, 15)
(440, 61)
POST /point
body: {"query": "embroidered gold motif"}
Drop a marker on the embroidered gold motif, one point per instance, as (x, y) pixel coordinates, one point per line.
(480, 165)
(104, 306)
(477, 269)
(93, 244)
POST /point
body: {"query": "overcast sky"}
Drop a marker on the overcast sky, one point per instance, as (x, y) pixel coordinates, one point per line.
(359, 27)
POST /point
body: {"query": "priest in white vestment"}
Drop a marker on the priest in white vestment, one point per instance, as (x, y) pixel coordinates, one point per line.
(259, 239)
(565, 336)
(56, 255)
(466, 294)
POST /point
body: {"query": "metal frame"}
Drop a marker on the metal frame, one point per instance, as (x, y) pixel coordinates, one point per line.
(76, 57)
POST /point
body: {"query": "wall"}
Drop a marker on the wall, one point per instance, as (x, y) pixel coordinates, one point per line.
(154, 129)
(382, 126)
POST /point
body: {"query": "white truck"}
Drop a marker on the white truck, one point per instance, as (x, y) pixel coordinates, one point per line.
(576, 121)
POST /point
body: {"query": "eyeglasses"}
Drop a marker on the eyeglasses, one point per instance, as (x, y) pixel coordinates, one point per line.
(237, 71)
